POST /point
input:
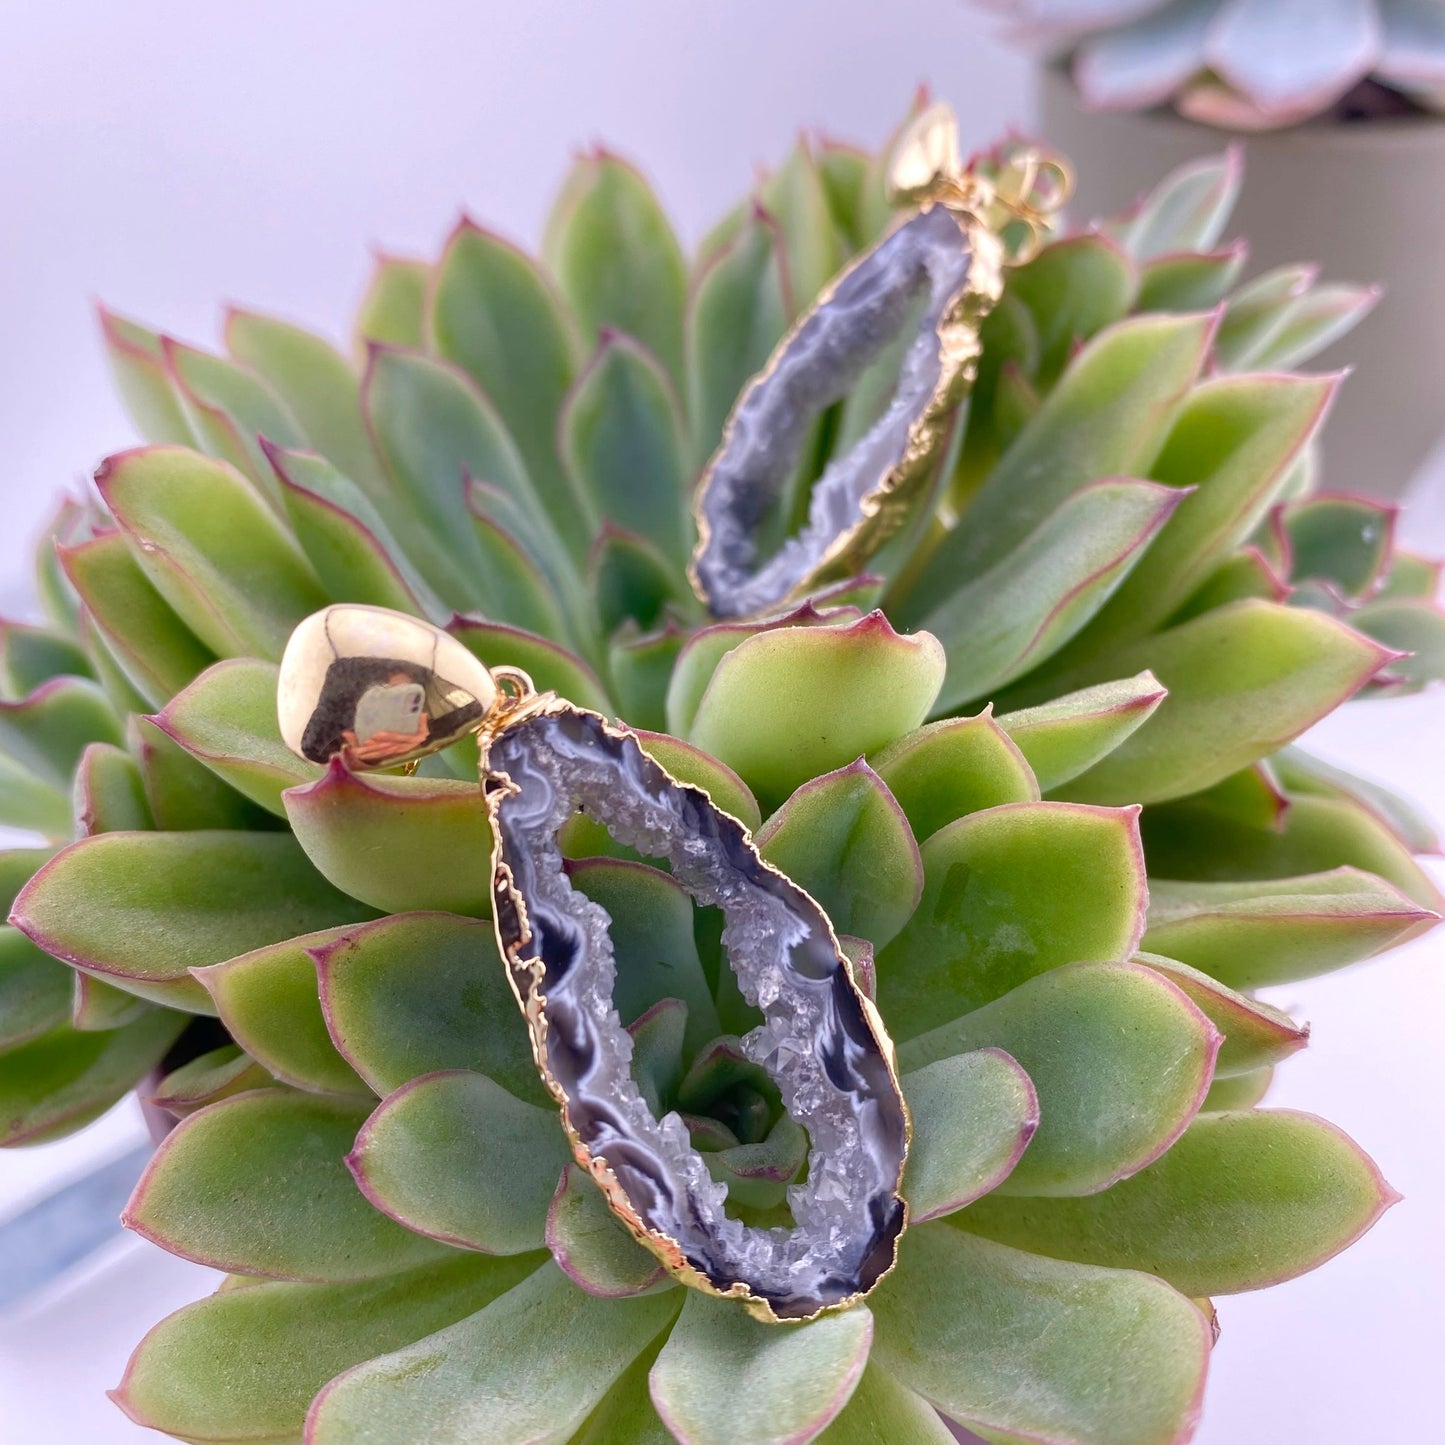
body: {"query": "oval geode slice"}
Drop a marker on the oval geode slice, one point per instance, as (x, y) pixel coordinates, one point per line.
(869, 490)
(821, 1039)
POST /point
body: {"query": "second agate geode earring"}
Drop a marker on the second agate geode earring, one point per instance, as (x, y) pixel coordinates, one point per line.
(378, 689)
(950, 255)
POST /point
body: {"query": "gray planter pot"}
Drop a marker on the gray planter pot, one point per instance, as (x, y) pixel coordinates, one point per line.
(1365, 200)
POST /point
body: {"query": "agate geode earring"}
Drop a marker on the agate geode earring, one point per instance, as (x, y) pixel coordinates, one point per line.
(377, 689)
(947, 257)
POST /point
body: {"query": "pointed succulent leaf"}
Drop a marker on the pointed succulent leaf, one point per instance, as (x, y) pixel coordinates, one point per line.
(640, 665)
(145, 386)
(58, 599)
(212, 549)
(1237, 1091)
(796, 196)
(298, 1336)
(631, 581)
(1028, 605)
(109, 792)
(1233, 444)
(396, 843)
(32, 655)
(1252, 935)
(950, 1164)
(1242, 682)
(758, 1175)
(738, 311)
(1342, 539)
(1410, 575)
(183, 794)
(142, 909)
(1080, 1340)
(64, 1079)
(1067, 736)
(393, 1021)
(157, 652)
(1300, 329)
(343, 534)
(1413, 628)
(269, 1003)
(227, 719)
(844, 173)
(97, 1007)
(27, 802)
(393, 310)
(229, 409)
(531, 1366)
(652, 937)
(550, 666)
(220, 1074)
(1189, 841)
(612, 249)
(521, 592)
(1252, 796)
(1243, 574)
(592, 1245)
(951, 768)
(257, 1184)
(1301, 772)
(1256, 1034)
(844, 838)
(494, 314)
(1242, 1201)
(1008, 894)
(1108, 416)
(788, 704)
(1188, 210)
(658, 1051)
(316, 385)
(798, 1379)
(707, 647)
(1073, 289)
(1190, 280)
(46, 732)
(434, 431)
(34, 990)
(456, 1157)
(621, 437)
(1121, 1059)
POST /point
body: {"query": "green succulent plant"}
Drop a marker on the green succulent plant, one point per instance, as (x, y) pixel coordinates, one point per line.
(1120, 596)
(1244, 64)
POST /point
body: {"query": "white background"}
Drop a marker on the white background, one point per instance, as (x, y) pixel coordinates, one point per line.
(171, 156)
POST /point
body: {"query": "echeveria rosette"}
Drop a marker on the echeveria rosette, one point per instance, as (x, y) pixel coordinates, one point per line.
(1244, 64)
(1138, 604)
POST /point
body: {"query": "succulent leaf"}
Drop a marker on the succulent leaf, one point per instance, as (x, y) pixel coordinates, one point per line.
(1008, 894)
(34, 990)
(174, 901)
(1242, 1201)
(1098, 1040)
(797, 1379)
(1080, 1339)
(268, 1001)
(207, 1079)
(430, 823)
(844, 837)
(299, 1336)
(393, 1022)
(393, 310)
(456, 1157)
(531, 1365)
(591, 1245)
(199, 1194)
(949, 1168)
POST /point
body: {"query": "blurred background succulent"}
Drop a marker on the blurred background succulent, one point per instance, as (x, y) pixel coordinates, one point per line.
(1038, 767)
(1245, 64)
